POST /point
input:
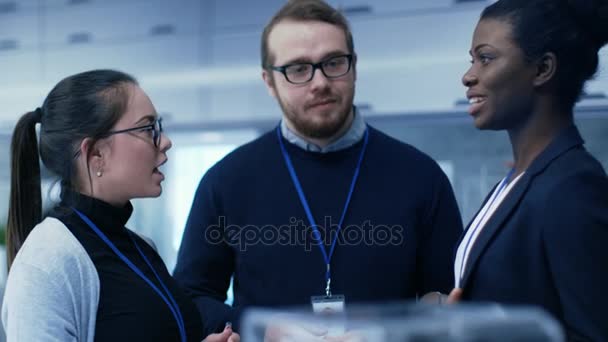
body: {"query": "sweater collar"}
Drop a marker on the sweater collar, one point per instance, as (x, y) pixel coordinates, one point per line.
(106, 217)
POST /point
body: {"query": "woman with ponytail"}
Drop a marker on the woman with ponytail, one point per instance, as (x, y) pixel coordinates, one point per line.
(79, 274)
(541, 236)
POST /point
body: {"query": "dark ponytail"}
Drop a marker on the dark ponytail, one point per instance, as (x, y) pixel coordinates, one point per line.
(25, 203)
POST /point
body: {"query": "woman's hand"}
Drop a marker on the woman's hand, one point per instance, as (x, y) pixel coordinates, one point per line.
(454, 296)
(440, 299)
(225, 336)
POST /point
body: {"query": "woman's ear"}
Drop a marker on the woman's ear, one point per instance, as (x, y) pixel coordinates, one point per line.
(92, 154)
(546, 66)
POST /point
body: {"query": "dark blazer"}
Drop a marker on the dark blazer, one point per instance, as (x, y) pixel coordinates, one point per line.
(547, 243)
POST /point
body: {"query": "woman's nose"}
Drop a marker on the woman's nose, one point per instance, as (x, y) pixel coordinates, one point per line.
(468, 79)
(165, 143)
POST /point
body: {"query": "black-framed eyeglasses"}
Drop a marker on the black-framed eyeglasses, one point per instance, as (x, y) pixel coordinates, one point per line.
(156, 128)
(299, 73)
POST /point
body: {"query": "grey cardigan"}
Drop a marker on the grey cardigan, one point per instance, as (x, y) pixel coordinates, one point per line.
(52, 291)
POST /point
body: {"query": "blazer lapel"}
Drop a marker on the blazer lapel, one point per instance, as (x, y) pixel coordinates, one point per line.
(468, 226)
(494, 224)
(565, 141)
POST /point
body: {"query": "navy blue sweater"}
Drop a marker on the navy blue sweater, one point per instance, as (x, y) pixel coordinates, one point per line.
(246, 220)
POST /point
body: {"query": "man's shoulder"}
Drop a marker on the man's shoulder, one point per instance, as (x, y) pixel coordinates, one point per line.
(246, 156)
(399, 151)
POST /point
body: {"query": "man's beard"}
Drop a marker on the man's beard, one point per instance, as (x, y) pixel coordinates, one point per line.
(314, 129)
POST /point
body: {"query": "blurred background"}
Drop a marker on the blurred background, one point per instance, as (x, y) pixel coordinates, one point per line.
(199, 62)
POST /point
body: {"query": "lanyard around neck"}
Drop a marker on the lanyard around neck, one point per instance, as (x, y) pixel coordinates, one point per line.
(168, 298)
(495, 195)
(311, 219)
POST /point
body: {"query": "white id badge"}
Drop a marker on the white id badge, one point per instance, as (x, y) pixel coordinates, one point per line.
(327, 304)
(330, 305)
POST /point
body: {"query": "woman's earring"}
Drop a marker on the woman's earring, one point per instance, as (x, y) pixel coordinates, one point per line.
(99, 173)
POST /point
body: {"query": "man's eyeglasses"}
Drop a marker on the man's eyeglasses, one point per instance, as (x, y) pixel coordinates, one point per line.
(156, 128)
(299, 73)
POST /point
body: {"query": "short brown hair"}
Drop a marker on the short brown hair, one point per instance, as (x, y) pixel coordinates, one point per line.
(306, 10)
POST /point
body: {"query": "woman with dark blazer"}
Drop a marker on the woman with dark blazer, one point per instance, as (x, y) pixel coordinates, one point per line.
(541, 236)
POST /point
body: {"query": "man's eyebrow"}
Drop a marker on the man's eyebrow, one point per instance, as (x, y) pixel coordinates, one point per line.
(330, 54)
(297, 60)
(334, 54)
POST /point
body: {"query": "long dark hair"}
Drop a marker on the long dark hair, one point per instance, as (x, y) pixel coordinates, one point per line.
(574, 30)
(85, 105)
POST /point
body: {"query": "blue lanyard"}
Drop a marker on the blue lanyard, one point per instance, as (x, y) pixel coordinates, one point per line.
(501, 187)
(169, 301)
(304, 202)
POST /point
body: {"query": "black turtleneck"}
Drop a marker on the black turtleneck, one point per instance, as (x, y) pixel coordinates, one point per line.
(129, 309)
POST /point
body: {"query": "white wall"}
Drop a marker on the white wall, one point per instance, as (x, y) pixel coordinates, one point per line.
(199, 59)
